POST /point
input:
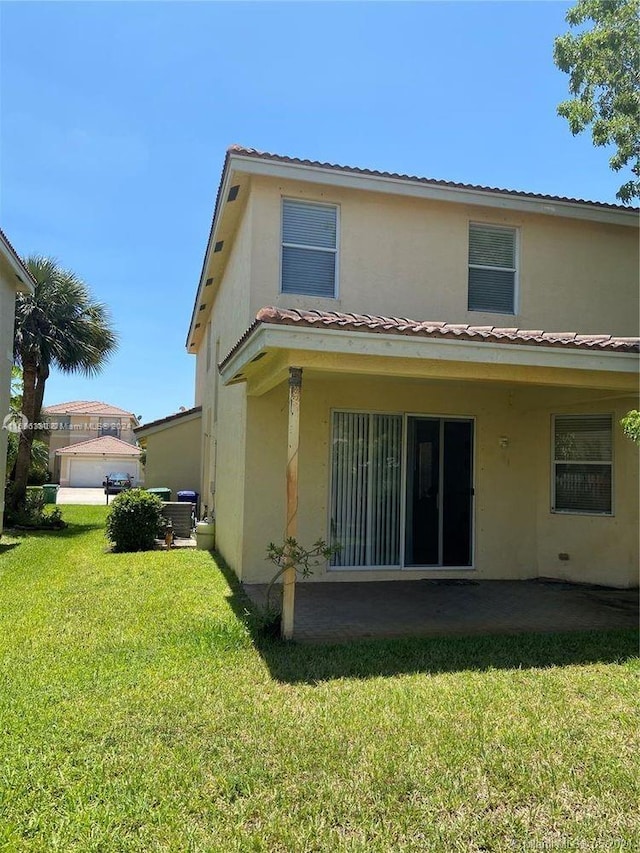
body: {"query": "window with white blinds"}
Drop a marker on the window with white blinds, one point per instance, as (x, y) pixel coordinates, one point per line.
(309, 248)
(492, 268)
(583, 462)
(365, 488)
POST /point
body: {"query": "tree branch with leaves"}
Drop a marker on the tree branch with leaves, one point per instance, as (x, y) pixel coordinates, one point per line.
(603, 63)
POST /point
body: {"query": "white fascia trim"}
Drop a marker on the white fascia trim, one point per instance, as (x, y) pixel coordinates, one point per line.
(25, 284)
(407, 187)
(273, 336)
(224, 192)
(98, 455)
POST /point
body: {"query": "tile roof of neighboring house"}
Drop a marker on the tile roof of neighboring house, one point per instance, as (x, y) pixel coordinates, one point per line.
(431, 329)
(107, 445)
(85, 407)
(279, 158)
(169, 418)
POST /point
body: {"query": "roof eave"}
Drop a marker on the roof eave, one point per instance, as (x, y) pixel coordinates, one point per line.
(422, 188)
(25, 281)
(144, 430)
(264, 337)
(223, 189)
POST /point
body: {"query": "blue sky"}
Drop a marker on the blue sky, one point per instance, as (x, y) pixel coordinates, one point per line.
(115, 117)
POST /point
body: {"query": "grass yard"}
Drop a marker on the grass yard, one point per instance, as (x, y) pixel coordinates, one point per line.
(137, 714)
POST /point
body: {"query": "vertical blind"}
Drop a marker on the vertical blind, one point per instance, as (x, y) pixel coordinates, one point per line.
(309, 248)
(583, 454)
(365, 489)
(492, 268)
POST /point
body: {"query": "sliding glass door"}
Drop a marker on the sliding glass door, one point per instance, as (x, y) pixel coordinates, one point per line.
(365, 493)
(401, 496)
(439, 494)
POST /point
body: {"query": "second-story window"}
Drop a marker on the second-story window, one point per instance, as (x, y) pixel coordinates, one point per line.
(492, 268)
(110, 426)
(309, 248)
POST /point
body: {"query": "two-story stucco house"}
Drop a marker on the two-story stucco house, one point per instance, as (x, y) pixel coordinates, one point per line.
(14, 278)
(444, 365)
(89, 439)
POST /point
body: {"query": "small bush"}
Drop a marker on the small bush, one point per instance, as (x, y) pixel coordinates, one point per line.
(33, 514)
(631, 425)
(135, 520)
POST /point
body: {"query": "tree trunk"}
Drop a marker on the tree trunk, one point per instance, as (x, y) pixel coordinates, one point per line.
(32, 395)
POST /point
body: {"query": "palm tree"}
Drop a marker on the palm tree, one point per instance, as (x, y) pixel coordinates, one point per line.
(59, 325)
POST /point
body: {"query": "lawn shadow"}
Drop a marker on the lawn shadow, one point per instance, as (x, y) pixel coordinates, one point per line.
(72, 529)
(294, 663)
(8, 546)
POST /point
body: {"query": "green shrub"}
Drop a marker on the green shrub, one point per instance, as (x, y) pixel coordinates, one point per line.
(39, 467)
(631, 425)
(135, 520)
(33, 514)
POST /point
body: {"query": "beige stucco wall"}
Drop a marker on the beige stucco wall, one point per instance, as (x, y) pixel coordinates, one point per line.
(601, 549)
(7, 312)
(224, 409)
(174, 456)
(516, 534)
(408, 257)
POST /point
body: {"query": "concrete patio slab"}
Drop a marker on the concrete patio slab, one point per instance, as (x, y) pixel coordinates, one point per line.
(338, 612)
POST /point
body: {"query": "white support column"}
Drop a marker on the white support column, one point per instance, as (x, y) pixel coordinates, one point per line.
(289, 576)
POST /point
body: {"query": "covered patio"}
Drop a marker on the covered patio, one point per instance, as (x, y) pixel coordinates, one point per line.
(434, 457)
(339, 612)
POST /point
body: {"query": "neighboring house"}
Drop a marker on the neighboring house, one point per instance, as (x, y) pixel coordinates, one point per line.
(80, 421)
(466, 354)
(14, 278)
(87, 463)
(172, 446)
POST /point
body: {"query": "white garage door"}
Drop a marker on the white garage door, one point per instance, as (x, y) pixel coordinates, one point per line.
(89, 473)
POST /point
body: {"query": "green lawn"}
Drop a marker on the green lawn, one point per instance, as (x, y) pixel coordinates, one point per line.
(138, 714)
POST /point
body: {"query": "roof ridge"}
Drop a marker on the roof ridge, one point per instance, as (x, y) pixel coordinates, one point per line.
(68, 405)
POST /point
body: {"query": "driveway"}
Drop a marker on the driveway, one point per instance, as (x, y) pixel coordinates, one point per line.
(88, 497)
(336, 612)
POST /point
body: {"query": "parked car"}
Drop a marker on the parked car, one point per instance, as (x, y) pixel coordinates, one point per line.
(116, 483)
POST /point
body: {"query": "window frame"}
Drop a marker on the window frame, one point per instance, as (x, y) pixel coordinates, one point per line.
(555, 462)
(515, 229)
(402, 568)
(335, 251)
(114, 423)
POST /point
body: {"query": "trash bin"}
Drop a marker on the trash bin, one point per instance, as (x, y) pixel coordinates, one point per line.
(50, 492)
(205, 535)
(163, 493)
(188, 496)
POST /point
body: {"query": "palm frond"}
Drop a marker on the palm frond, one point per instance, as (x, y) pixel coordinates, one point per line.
(60, 324)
